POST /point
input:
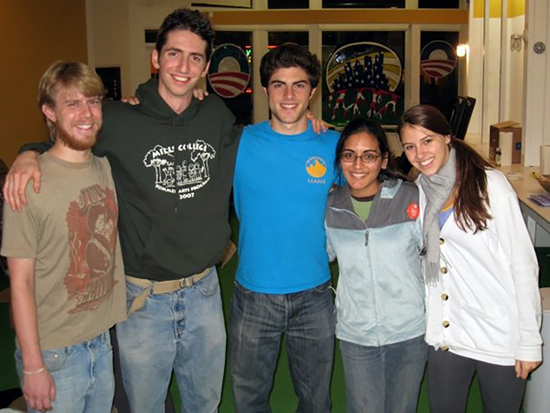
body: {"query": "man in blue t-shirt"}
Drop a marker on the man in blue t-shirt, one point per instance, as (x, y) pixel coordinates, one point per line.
(283, 175)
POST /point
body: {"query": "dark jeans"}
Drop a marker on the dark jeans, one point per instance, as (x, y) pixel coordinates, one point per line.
(258, 322)
(450, 377)
(386, 378)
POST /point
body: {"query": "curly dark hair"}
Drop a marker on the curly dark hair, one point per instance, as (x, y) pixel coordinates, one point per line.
(290, 55)
(187, 19)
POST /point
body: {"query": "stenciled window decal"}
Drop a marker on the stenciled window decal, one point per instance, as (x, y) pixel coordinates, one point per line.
(229, 72)
(439, 70)
(438, 59)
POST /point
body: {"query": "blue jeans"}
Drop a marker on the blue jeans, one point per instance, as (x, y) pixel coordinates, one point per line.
(182, 331)
(83, 376)
(385, 378)
(257, 324)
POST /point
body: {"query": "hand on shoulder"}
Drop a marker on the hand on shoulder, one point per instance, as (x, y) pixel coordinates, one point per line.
(24, 168)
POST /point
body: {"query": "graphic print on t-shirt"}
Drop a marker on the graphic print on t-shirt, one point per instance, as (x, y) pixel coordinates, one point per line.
(92, 224)
(191, 172)
(317, 168)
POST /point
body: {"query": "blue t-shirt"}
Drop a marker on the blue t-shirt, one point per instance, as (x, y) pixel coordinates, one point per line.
(281, 186)
(444, 215)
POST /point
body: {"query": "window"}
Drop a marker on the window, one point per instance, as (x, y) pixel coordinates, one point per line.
(439, 69)
(438, 4)
(230, 73)
(363, 4)
(363, 76)
(287, 4)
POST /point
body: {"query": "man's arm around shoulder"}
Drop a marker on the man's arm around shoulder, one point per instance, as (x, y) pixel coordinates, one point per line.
(24, 168)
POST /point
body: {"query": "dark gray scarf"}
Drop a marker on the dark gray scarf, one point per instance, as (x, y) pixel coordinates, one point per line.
(437, 188)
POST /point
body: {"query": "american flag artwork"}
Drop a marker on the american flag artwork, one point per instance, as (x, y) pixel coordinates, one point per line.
(363, 79)
(437, 59)
(229, 71)
(363, 64)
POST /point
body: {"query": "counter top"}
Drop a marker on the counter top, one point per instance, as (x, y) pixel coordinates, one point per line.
(524, 184)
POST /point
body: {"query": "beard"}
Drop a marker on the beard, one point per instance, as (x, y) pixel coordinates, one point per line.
(70, 141)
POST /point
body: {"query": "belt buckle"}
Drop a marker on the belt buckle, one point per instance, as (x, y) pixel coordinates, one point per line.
(186, 282)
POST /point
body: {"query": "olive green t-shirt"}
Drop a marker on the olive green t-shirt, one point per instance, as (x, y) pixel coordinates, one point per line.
(362, 206)
(70, 229)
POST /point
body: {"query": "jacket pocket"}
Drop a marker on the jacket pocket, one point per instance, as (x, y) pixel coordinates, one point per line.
(484, 330)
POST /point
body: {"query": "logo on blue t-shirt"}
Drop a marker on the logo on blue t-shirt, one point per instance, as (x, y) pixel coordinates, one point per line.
(316, 168)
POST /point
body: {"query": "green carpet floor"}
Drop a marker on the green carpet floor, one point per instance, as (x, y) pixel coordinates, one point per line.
(283, 399)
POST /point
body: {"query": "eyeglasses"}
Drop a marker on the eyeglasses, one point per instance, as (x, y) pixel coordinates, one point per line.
(367, 157)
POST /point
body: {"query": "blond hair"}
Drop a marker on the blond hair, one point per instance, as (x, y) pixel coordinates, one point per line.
(69, 75)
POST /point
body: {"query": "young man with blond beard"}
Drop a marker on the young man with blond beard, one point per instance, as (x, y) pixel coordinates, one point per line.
(62, 309)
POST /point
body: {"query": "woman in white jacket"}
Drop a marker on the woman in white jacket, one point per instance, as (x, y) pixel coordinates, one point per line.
(480, 270)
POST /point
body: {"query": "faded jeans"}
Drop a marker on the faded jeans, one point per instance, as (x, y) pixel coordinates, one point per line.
(182, 331)
(83, 376)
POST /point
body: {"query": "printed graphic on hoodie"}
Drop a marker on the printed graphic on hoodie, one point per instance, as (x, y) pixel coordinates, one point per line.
(191, 172)
(91, 221)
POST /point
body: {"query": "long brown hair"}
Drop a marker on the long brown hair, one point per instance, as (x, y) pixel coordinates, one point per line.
(470, 189)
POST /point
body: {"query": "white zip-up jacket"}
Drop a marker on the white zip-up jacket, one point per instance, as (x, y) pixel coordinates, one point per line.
(486, 305)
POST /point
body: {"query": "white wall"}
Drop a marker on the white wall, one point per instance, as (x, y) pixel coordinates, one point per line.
(484, 76)
(108, 37)
(475, 71)
(116, 31)
(492, 76)
(536, 115)
(514, 103)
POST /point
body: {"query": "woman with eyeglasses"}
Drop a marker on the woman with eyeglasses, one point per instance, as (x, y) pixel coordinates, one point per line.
(374, 232)
(480, 270)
